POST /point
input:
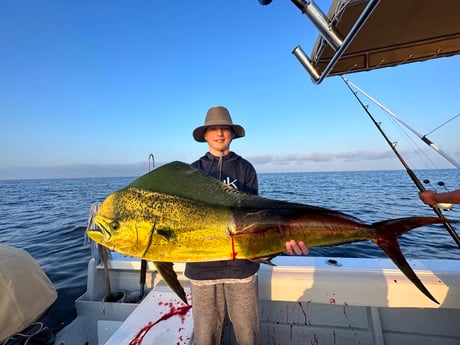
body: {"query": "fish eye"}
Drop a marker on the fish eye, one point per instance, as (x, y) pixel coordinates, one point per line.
(114, 225)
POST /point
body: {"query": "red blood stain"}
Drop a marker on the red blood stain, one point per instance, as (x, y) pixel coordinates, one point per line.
(234, 253)
(304, 312)
(332, 300)
(173, 311)
(315, 340)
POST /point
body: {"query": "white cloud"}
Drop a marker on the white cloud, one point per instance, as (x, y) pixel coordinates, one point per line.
(356, 156)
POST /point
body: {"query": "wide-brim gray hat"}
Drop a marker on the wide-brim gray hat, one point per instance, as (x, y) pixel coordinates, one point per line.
(217, 116)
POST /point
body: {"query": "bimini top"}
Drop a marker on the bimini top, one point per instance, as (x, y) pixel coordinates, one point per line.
(372, 34)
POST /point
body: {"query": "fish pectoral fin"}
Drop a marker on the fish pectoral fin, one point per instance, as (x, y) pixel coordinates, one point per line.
(168, 234)
(170, 277)
(265, 260)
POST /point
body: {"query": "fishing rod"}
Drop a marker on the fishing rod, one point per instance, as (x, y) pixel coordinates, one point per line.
(422, 137)
(409, 171)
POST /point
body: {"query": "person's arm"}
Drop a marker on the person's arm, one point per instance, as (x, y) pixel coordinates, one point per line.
(431, 197)
(292, 247)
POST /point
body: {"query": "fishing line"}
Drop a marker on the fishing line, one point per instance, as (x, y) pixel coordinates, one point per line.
(390, 113)
(439, 183)
(409, 171)
(421, 154)
(442, 184)
(445, 123)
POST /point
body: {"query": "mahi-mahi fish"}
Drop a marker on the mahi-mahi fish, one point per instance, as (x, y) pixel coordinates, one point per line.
(176, 213)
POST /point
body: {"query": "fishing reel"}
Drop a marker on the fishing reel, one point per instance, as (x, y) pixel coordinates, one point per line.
(443, 205)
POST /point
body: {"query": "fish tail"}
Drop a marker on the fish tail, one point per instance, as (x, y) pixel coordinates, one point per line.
(386, 238)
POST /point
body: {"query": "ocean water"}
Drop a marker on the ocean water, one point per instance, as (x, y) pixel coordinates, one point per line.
(48, 218)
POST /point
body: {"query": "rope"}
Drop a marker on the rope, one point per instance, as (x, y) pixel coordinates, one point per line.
(23, 337)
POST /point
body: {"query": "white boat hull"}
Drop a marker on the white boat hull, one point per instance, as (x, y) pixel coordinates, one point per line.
(303, 300)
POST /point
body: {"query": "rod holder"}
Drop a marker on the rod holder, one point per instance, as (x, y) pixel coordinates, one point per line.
(306, 63)
(321, 22)
(326, 30)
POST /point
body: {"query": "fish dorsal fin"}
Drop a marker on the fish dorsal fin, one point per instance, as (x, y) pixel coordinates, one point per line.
(181, 180)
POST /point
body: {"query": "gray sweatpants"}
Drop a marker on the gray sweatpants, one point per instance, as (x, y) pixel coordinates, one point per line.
(208, 306)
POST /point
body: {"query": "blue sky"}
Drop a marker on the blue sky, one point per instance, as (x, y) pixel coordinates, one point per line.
(91, 88)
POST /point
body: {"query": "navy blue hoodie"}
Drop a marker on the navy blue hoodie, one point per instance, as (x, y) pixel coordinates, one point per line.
(237, 172)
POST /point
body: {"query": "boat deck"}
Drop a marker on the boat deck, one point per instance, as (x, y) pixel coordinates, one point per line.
(303, 300)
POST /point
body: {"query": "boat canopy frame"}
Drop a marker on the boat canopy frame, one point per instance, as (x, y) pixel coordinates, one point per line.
(356, 35)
